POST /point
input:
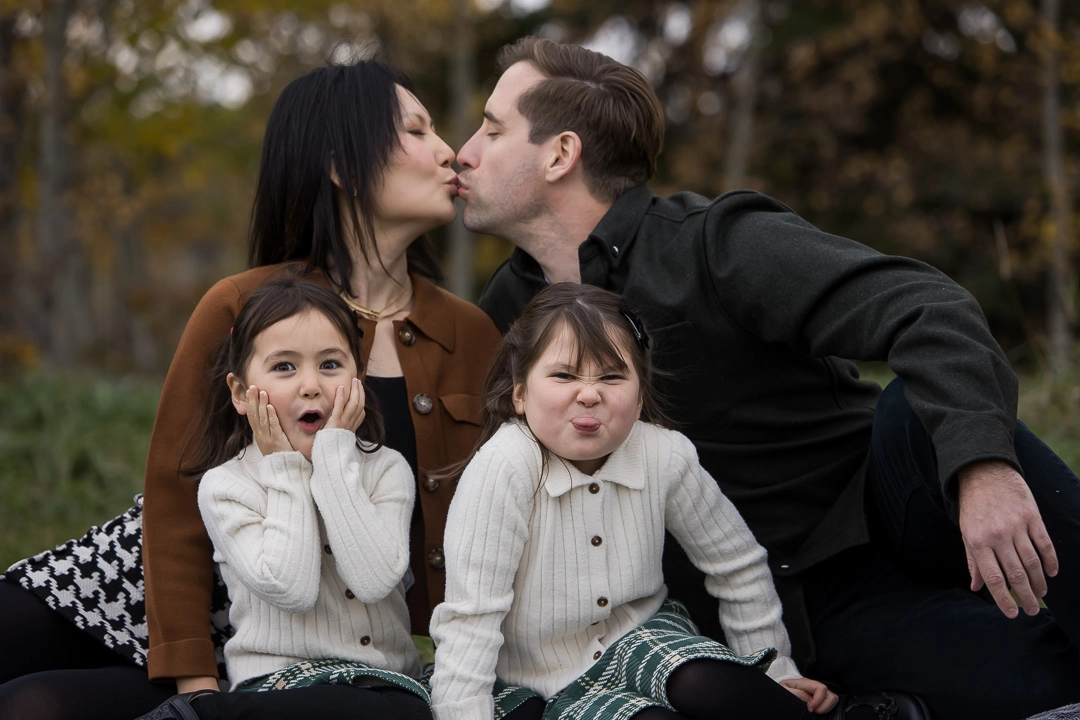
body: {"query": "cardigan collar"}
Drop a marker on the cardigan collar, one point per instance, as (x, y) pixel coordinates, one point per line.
(623, 467)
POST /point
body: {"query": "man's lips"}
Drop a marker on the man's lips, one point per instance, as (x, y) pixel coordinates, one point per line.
(586, 425)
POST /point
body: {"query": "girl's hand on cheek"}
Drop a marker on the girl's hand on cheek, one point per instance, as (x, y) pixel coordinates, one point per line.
(265, 427)
(348, 413)
(818, 697)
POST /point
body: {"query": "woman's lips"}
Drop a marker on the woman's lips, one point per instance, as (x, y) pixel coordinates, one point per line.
(586, 425)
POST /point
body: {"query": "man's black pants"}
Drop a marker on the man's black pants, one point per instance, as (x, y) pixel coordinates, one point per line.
(899, 614)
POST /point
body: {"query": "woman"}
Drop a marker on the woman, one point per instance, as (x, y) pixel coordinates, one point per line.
(352, 175)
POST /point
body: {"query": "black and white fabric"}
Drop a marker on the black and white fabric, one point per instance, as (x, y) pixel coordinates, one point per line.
(96, 582)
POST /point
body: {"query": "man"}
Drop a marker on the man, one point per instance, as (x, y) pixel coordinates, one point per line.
(896, 526)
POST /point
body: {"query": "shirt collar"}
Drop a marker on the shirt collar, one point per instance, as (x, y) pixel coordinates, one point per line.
(614, 234)
(623, 467)
(611, 238)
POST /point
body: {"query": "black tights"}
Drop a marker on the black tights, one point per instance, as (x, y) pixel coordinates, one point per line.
(707, 689)
(313, 703)
(51, 670)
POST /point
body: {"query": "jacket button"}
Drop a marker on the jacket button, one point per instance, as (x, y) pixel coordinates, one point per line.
(594, 488)
(596, 655)
(601, 601)
(349, 594)
(597, 541)
(422, 403)
(615, 251)
(406, 335)
(429, 483)
(366, 640)
(327, 549)
(436, 559)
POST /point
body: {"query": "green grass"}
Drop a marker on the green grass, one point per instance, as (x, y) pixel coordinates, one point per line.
(72, 452)
(73, 449)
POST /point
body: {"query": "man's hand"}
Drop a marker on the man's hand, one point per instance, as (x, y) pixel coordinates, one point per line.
(1006, 541)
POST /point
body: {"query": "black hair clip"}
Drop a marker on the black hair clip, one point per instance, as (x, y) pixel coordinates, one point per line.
(635, 323)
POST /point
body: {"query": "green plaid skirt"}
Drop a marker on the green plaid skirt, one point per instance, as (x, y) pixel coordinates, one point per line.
(334, 672)
(632, 675)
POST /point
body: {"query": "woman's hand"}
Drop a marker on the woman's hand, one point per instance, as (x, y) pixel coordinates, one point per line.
(348, 413)
(819, 699)
(194, 684)
(265, 426)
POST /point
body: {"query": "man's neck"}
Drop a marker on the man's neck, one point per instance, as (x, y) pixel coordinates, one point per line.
(555, 238)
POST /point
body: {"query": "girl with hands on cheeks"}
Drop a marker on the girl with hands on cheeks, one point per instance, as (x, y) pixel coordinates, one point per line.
(309, 516)
(348, 414)
(556, 606)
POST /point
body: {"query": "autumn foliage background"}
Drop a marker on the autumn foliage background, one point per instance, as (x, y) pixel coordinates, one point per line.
(130, 132)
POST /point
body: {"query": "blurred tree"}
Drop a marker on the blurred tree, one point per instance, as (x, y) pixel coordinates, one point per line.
(58, 314)
(12, 95)
(1061, 293)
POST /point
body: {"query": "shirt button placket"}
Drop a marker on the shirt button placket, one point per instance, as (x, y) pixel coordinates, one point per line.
(598, 560)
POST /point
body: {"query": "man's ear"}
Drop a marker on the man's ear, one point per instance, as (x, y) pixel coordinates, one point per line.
(238, 391)
(565, 155)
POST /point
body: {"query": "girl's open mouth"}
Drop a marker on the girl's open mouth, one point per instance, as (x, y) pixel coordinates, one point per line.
(310, 421)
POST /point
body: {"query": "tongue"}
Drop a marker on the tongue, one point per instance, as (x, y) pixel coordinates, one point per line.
(586, 424)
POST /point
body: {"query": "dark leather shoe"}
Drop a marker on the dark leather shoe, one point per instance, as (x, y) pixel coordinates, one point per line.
(885, 705)
(178, 707)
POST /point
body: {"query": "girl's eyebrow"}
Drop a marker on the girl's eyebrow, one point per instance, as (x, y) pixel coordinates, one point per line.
(281, 355)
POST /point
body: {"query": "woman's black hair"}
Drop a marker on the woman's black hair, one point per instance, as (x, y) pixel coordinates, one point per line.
(224, 432)
(341, 119)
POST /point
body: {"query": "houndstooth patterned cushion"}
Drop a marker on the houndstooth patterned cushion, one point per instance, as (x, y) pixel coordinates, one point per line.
(96, 582)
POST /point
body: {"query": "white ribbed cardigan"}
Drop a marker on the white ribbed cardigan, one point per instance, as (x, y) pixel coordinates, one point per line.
(295, 539)
(543, 576)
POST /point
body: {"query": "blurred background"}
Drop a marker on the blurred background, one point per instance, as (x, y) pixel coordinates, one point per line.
(130, 132)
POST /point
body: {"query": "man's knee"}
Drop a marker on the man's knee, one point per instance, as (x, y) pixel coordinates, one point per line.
(894, 420)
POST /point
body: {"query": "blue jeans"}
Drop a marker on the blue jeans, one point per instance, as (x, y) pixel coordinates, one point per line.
(899, 614)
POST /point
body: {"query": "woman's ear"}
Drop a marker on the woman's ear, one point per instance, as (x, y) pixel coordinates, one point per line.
(565, 154)
(519, 398)
(238, 392)
(334, 177)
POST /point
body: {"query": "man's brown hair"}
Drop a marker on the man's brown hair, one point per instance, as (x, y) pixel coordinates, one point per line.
(611, 106)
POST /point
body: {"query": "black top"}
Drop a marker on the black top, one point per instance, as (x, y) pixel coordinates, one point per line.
(393, 402)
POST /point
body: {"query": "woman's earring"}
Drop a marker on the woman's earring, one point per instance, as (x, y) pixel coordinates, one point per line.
(355, 193)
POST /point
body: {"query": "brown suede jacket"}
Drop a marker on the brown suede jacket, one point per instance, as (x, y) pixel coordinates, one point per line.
(444, 346)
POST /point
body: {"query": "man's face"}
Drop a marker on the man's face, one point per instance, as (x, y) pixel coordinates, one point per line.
(502, 177)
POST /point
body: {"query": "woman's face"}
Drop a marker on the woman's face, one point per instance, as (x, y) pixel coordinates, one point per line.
(418, 189)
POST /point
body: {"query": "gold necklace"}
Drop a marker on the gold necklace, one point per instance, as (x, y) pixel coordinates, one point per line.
(393, 307)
